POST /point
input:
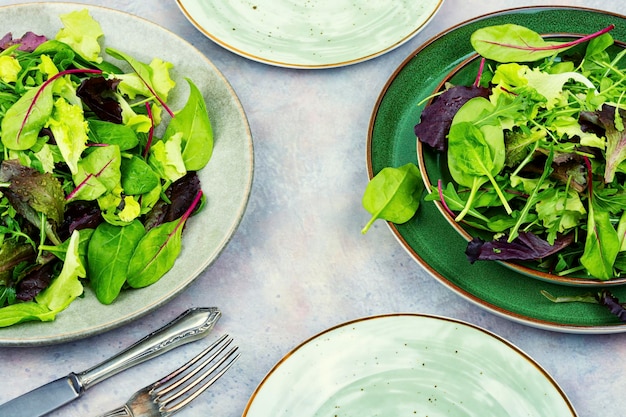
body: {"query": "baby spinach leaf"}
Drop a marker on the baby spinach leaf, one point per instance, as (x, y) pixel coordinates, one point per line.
(110, 133)
(393, 194)
(197, 134)
(137, 176)
(471, 160)
(108, 255)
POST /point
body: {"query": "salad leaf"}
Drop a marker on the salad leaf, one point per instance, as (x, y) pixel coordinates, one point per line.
(601, 245)
(393, 194)
(31, 193)
(436, 118)
(137, 176)
(166, 158)
(97, 173)
(515, 43)
(157, 250)
(526, 246)
(9, 68)
(109, 253)
(69, 128)
(109, 133)
(54, 299)
(98, 94)
(82, 32)
(150, 80)
(197, 134)
(18, 135)
(472, 160)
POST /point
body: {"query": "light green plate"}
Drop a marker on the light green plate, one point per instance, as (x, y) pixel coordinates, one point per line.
(226, 180)
(428, 237)
(309, 34)
(407, 365)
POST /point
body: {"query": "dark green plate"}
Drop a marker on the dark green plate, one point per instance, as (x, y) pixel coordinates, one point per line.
(428, 237)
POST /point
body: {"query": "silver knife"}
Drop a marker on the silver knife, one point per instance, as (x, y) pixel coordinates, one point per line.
(192, 325)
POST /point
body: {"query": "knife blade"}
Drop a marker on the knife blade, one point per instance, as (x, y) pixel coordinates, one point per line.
(192, 325)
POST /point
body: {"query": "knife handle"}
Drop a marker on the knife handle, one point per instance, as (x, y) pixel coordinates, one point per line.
(192, 325)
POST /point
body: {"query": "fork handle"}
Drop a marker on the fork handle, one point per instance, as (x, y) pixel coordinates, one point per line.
(192, 325)
(118, 412)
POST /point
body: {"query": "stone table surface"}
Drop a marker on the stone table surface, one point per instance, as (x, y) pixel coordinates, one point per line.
(298, 263)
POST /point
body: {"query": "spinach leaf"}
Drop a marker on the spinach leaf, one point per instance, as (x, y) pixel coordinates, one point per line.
(393, 194)
(471, 161)
(137, 176)
(108, 255)
(110, 133)
(197, 134)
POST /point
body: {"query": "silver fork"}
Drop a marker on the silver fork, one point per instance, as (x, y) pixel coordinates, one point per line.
(171, 393)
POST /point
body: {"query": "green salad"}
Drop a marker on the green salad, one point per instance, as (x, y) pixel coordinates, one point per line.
(98, 173)
(536, 154)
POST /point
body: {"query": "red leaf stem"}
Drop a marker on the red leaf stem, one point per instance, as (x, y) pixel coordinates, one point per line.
(84, 182)
(555, 47)
(480, 73)
(443, 200)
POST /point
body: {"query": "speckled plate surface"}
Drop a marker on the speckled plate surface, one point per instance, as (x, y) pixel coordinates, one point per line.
(312, 33)
(226, 180)
(428, 237)
(407, 365)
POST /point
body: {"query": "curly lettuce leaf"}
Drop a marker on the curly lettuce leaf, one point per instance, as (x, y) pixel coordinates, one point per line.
(82, 33)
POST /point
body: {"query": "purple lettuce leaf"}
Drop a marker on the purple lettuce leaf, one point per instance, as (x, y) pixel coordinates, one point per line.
(28, 42)
(526, 247)
(98, 93)
(181, 193)
(436, 118)
(36, 281)
(608, 300)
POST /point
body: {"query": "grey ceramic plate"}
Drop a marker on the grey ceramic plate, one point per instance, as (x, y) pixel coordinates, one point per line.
(309, 34)
(407, 365)
(226, 180)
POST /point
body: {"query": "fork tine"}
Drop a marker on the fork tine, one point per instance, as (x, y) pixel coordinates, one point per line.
(168, 385)
(172, 385)
(201, 384)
